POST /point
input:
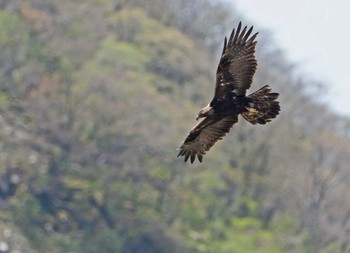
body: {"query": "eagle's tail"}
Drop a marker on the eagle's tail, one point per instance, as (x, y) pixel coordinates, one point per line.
(261, 106)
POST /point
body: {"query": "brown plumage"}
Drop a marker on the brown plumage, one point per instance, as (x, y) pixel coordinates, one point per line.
(233, 77)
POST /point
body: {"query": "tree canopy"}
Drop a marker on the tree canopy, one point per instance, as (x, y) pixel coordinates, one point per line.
(95, 97)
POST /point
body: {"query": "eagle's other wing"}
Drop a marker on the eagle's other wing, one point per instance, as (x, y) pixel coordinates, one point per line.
(237, 64)
(204, 135)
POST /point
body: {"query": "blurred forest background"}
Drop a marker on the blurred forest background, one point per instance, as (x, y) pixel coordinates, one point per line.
(95, 97)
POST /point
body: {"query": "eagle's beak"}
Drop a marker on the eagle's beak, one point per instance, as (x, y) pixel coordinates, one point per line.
(198, 117)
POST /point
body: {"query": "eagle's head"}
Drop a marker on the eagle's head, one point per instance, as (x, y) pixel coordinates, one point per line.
(205, 112)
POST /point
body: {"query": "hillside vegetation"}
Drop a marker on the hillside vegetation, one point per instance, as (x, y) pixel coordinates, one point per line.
(95, 97)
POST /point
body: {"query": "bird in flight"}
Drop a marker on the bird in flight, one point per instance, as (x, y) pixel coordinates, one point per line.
(233, 78)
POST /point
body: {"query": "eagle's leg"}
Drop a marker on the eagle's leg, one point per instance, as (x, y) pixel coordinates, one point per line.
(252, 112)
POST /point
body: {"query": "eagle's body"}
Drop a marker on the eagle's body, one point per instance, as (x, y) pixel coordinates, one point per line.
(233, 77)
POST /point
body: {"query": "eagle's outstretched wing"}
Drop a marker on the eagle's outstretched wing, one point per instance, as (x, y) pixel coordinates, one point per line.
(204, 135)
(237, 64)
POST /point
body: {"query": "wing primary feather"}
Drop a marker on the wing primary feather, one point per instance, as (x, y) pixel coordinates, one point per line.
(242, 34)
(251, 40)
(182, 152)
(248, 33)
(193, 157)
(231, 37)
(200, 158)
(224, 49)
(187, 155)
(238, 31)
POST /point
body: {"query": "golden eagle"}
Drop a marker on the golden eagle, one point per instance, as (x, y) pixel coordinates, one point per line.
(233, 77)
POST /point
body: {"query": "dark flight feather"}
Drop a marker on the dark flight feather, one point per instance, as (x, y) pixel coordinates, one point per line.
(204, 135)
(237, 65)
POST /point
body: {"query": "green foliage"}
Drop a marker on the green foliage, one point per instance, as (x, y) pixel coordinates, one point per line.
(4, 101)
(101, 240)
(124, 54)
(9, 23)
(95, 97)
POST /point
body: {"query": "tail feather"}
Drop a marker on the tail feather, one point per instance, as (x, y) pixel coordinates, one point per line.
(261, 106)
